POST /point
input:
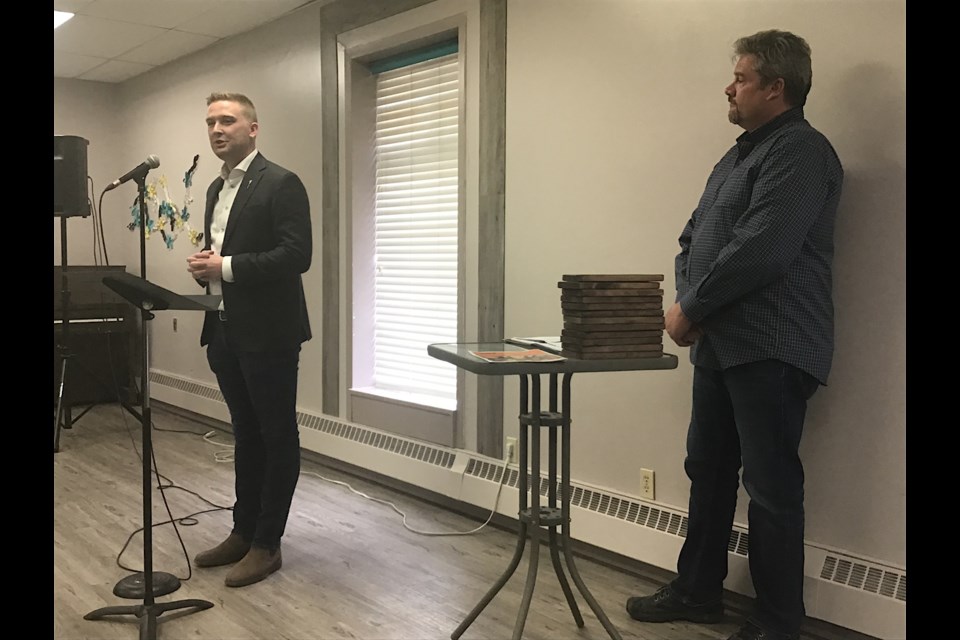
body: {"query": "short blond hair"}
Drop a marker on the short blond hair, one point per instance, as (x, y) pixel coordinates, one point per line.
(249, 110)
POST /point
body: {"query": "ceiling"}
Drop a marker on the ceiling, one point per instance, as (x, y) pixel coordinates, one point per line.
(115, 40)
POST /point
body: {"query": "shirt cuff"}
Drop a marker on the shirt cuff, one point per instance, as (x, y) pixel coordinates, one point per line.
(691, 307)
(227, 269)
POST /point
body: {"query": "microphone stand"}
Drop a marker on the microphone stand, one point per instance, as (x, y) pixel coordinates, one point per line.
(146, 584)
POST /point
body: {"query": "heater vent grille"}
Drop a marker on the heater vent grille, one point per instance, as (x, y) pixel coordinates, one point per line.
(859, 575)
(379, 440)
(608, 504)
(188, 386)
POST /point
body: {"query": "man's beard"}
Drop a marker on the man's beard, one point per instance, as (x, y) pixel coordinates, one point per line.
(733, 114)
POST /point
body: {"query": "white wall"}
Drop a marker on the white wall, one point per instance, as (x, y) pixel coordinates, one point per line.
(615, 116)
(90, 110)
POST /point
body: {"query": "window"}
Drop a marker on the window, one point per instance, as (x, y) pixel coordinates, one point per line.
(403, 115)
(362, 38)
(416, 213)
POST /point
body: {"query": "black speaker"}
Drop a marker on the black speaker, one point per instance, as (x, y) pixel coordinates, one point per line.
(70, 176)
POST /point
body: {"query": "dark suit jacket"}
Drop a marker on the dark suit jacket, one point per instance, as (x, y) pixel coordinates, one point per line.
(268, 237)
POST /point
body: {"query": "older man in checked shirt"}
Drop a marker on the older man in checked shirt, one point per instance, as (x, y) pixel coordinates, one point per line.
(754, 303)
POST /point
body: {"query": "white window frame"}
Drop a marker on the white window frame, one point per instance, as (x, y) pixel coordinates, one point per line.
(453, 425)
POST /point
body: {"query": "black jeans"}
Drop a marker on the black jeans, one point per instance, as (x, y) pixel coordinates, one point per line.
(752, 413)
(260, 389)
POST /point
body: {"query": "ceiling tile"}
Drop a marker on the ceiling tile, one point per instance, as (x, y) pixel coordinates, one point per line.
(141, 34)
(70, 6)
(167, 47)
(155, 13)
(100, 37)
(115, 71)
(67, 65)
(229, 17)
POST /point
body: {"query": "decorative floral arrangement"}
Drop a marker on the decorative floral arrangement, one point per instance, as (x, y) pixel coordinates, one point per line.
(163, 216)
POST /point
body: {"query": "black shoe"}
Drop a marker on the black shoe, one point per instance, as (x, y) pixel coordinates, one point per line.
(750, 631)
(666, 606)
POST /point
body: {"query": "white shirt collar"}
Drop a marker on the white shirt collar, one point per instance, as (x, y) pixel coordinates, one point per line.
(241, 167)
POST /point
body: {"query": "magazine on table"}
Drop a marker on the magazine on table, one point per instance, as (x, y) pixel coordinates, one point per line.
(519, 355)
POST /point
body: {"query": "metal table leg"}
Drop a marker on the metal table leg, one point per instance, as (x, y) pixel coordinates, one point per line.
(522, 533)
(565, 508)
(552, 502)
(535, 518)
(533, 561)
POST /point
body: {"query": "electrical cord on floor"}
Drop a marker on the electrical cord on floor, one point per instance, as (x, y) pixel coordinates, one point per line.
(226, 455)
(188, 520)
(185, 521)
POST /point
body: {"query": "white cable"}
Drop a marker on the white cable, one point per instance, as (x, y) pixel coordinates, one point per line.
(226, 455)
(503, 476)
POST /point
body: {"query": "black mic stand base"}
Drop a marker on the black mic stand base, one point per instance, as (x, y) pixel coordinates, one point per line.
(148, 613)
(134, 587)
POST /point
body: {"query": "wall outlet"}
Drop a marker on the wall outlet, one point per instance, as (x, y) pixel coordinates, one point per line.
(647, 484)
(510, 450)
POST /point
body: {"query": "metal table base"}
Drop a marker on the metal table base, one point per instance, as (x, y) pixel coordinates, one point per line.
(536, 519)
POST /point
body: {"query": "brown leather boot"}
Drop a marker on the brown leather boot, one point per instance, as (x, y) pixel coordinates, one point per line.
(227, 552)
(255, 566)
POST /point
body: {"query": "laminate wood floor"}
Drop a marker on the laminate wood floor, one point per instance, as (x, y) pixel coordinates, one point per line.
(350, 568)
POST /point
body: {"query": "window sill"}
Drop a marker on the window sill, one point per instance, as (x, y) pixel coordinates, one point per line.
(405, 414)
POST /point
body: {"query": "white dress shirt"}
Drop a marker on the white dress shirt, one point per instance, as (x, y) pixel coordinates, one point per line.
(232, 180)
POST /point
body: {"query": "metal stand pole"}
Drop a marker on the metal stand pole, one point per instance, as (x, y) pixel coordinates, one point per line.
(147, 583)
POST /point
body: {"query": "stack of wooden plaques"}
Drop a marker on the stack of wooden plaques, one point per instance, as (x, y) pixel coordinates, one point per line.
(612, 316)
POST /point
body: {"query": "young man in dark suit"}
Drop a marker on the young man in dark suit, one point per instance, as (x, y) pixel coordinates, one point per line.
(257, 225)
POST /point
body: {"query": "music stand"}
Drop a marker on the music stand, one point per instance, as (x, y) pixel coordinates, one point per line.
(148, 297)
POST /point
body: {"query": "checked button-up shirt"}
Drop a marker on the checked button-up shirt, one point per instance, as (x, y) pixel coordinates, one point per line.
(754, 270)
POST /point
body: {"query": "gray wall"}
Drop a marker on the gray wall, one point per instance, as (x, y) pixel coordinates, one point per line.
(615, 117)
(90, 110)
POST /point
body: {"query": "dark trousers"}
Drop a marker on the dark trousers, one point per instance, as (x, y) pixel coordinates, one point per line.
(751, 414)
(260, 389)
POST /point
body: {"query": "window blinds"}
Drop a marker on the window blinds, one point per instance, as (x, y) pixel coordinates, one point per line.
(416, 226)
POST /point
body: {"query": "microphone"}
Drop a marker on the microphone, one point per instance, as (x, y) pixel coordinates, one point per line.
(152, 162)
